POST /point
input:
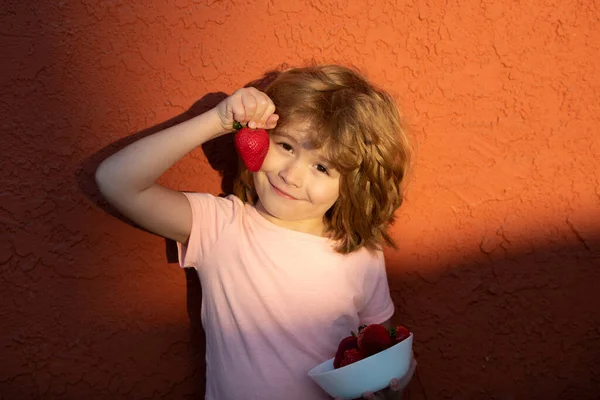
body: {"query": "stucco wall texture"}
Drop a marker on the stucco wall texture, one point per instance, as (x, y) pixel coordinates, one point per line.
(498, 267)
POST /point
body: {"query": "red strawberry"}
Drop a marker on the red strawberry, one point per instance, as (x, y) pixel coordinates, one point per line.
(351, 356)
(373, 339)
(347, 343)
(399, 333)
(252, 146)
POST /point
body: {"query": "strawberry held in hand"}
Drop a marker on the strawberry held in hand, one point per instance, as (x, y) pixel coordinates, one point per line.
(252, 146)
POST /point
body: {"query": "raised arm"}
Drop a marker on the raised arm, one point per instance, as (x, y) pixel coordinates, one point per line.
(127, 179)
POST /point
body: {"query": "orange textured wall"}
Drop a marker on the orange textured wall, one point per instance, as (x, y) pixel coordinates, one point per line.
(498, 271)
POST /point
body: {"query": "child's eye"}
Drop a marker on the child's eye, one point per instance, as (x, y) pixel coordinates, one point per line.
(285, 146)
(322, 168)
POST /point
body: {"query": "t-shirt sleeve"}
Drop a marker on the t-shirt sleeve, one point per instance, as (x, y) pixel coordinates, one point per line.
(378, 306)
(210, 216)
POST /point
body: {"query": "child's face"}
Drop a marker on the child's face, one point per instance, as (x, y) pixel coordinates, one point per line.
(296, 185)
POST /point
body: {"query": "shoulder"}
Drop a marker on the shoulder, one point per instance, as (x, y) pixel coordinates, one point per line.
(367, 256)
(208, 198)
(206, 204)
(366, 260)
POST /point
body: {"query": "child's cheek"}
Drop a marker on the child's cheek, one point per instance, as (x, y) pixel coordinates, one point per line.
(270, 160)
(326, 193)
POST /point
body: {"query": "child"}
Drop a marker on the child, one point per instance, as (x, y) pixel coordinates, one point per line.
(293, 262)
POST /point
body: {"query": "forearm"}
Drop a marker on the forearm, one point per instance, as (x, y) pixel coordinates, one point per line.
(138, 166)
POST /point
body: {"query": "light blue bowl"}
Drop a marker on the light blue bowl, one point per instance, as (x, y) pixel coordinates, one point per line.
(367, 375)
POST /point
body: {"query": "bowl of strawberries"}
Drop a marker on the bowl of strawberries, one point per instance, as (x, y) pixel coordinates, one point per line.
(365, 362)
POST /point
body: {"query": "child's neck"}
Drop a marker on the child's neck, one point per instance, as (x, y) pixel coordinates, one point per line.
(312, 227)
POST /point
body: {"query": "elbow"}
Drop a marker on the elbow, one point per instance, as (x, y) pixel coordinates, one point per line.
(101, 178)
(105, 181)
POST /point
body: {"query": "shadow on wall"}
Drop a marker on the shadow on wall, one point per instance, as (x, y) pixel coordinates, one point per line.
(219, 152)
(521, 324)
(221, 156)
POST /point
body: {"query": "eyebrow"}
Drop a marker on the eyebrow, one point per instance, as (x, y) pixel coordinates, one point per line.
(320, 154)
(283, 134)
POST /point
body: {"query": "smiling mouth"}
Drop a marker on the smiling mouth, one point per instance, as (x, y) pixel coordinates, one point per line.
(282, 193)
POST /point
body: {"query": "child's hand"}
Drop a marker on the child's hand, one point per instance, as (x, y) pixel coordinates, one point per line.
(247, 106)
(395, 390)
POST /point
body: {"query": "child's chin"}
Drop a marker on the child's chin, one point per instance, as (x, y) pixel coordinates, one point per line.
(281, 212)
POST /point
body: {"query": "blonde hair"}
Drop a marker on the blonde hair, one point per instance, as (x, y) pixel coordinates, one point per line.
(359, 127)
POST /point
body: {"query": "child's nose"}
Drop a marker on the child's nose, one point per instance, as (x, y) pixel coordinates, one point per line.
(293, 174)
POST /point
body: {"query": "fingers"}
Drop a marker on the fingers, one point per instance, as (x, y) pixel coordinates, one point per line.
(250, 104)
(253, 107)
(236, 109)
(272, 121)
(267, 107)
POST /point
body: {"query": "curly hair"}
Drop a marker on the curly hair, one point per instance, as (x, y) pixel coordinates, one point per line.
(358, 125)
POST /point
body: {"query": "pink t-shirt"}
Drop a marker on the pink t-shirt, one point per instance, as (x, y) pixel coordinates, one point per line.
(275, 302)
